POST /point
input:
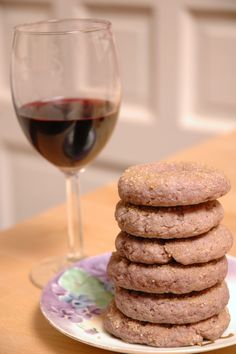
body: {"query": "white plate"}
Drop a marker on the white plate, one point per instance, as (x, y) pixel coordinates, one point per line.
(73, 301)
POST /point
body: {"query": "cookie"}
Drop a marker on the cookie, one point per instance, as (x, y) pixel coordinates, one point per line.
(171, 184)
(172, 309)
(142, 250)
(172, 222)
(161, 335)
(209, 246)
(199, 249)
(168, 278)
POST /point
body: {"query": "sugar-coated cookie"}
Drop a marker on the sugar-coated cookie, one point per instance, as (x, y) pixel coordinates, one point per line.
(168, 222)
(166, 278)
(171, 183)
(170, 308)
(161, 335)
(199, 249)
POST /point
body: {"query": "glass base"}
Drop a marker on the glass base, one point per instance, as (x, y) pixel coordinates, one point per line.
(44, 271)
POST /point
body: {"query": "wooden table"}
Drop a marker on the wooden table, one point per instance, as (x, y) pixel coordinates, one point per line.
(23, 330)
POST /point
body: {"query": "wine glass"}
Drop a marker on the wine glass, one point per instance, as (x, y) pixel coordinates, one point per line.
(66, 93)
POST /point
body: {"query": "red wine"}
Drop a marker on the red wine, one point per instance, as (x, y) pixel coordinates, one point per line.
(68, 132)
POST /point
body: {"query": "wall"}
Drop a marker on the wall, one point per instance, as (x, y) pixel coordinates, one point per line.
(179, 79)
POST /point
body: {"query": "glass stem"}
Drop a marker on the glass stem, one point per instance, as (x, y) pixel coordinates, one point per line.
(75, 236)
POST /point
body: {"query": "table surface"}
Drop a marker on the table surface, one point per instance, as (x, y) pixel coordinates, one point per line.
(23, 329)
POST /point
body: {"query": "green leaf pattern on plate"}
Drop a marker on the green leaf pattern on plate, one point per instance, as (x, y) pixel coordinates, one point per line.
(79, 282)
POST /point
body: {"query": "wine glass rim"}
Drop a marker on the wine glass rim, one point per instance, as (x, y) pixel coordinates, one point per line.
(90, 25)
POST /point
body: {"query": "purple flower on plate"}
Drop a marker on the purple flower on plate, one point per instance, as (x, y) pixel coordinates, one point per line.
(67, 313)
(81, 301)
(66, 298)
(88, 312)
(84, 313)
(94, 310)
(76, 309)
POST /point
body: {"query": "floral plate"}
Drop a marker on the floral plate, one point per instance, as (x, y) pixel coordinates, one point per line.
(74, 300)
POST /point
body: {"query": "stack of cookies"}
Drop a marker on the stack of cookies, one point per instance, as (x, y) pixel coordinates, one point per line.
(170, 264)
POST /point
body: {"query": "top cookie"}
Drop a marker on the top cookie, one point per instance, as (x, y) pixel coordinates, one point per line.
(171, 184)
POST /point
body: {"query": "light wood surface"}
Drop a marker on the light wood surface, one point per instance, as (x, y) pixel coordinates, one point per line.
(22, 327)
